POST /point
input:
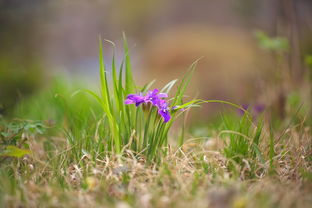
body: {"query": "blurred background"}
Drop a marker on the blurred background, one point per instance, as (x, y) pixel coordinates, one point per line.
(252, 51)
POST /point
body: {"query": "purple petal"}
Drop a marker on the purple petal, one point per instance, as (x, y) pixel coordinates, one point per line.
(165, 114)
(259, 108)
(155, 92)
(128, 101)
(241, 111)
(136, 99)
(162, 95)
(132, 96)
(139, 102)
(152, 93)
(152, 97)
(245, 106)
(161, 104)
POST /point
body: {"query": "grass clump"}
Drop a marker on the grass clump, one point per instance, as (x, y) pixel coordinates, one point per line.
(141, 130)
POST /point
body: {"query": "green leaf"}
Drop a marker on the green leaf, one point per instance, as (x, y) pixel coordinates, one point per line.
(90, 93)
(5, 134)
(13, 151)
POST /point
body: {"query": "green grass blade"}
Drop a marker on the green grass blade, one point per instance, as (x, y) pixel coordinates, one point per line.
(129, 87)
(167, 87)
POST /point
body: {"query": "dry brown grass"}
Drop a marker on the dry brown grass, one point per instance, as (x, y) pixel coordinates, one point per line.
(196, 175)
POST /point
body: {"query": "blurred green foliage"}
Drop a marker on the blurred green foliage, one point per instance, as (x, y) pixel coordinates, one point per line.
(17, 80)
(20, 52)
(272, 43)
(308, 62)
(13, 136)
(58, 105)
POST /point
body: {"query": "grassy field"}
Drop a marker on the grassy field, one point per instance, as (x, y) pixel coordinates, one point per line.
(68, 146)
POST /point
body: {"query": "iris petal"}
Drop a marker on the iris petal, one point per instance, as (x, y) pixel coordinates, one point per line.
(165, 114)
(162, 95)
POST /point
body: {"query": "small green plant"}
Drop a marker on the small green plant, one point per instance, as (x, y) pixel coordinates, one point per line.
(243, 141)
(14, 134)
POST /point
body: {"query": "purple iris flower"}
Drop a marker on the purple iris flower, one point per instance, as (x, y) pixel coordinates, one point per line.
(255, 110)
(259, 108)
(245, 107)
(153, 97)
